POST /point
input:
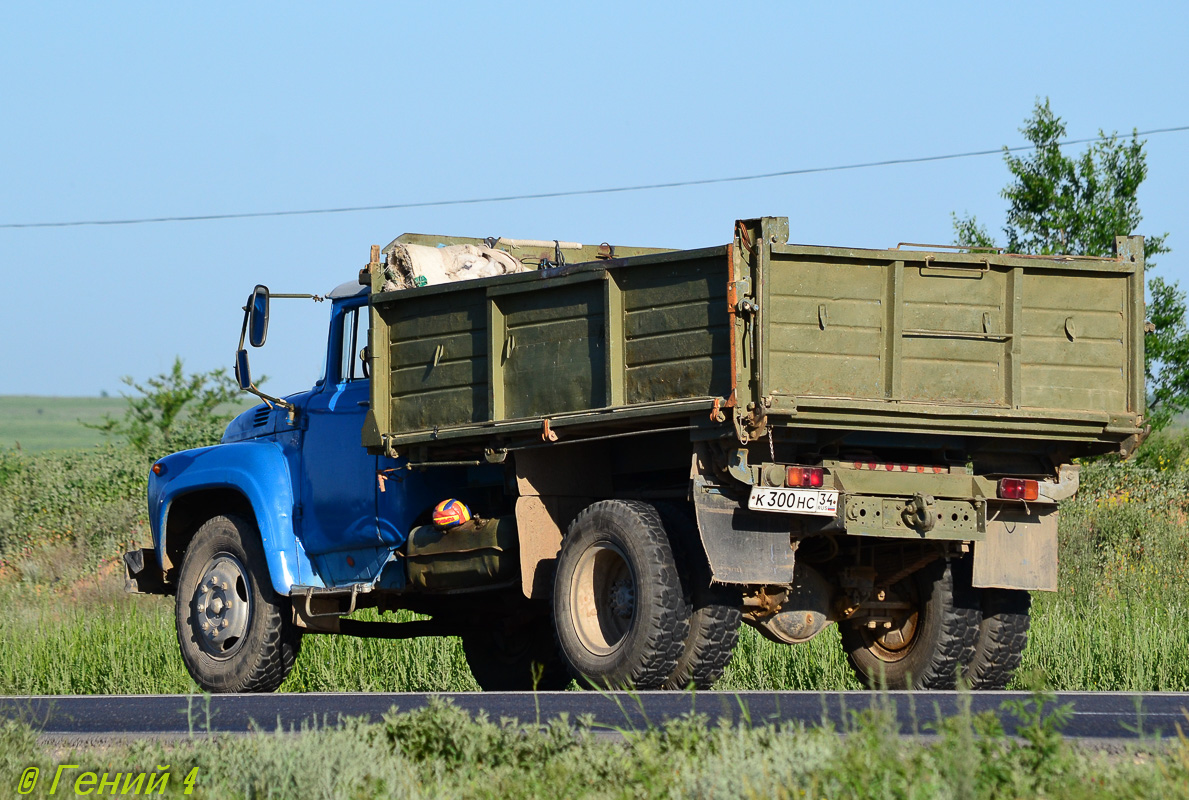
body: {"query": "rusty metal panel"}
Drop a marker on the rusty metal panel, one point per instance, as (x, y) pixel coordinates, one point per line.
(1020, 549)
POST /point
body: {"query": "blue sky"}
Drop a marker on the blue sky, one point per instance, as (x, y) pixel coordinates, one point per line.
(130, 110)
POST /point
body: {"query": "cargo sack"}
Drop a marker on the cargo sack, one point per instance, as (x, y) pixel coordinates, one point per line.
(412, 265)
(479, 553)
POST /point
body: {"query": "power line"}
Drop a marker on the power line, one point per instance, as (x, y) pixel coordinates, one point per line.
(573, 193)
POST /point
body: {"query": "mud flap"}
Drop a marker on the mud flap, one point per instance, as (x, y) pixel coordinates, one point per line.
(1020, 551)
(142, 575)
(743, 546)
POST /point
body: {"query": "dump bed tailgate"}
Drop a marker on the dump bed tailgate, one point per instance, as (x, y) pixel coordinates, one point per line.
(948, 341)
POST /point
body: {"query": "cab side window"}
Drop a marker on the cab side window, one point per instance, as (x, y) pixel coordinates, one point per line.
(350, 366)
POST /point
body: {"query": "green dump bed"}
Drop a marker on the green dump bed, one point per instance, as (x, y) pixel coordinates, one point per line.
(758, 334)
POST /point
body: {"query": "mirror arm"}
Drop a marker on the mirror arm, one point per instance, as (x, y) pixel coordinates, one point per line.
(243, 331)
(271, 401)
(317, 298)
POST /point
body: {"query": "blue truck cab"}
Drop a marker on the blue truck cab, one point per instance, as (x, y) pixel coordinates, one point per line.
(289, 523)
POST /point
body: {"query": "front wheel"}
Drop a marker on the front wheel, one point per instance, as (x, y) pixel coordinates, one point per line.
(618, 607)
(234, 631)
(925, 648)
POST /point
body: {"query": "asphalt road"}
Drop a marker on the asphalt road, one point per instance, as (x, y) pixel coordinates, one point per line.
(1096, 715)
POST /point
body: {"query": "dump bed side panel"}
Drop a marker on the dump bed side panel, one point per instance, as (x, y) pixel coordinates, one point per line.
(437, 360)
(583, 346)
(675, 330)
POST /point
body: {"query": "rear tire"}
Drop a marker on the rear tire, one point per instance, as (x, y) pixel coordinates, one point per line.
(1003, 635)
(508, 660)
(932, 645)
(620, 614)
(715, 614)
(249, 643)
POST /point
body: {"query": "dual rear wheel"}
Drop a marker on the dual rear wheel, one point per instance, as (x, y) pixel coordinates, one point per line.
(633, 605)
(952, 633)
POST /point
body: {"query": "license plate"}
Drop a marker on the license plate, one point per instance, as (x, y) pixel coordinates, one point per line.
(794, 501)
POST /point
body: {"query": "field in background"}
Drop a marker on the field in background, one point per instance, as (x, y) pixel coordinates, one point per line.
(38, 424)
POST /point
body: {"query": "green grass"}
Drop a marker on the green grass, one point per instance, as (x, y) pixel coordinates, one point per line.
(1119, 622)
(38, 424)
(96, 640)
(441, 752)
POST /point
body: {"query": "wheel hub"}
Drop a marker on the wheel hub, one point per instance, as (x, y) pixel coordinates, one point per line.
(220, 606)
(895, 643)
(622, 599)
(901, 637)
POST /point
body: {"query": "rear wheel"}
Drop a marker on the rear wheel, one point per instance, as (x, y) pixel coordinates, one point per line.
(516, 659)
(926, 648)
(1002, 637)
(235, 632)
(620, 614)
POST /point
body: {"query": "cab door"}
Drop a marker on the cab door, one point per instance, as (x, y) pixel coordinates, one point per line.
(337, 482)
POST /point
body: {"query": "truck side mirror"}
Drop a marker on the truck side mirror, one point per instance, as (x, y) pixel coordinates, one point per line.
(243, 375)
(257, 318)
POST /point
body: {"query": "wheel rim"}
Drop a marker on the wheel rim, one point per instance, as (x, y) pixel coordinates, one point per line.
(221, 608)
(603, 599)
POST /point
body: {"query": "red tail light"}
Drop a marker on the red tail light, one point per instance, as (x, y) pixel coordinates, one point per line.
(805, 476)
(1018, 489)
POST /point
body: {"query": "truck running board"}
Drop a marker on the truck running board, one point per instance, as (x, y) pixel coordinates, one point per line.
(325, 597)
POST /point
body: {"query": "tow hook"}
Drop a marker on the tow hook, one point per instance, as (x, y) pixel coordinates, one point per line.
(919, 514)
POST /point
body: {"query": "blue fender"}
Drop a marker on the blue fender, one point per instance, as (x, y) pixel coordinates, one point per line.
(259, 471)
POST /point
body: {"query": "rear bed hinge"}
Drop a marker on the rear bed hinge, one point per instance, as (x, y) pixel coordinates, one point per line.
(716, 414)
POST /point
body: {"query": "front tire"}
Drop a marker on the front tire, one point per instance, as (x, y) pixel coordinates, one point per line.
(618, 607)
(930, 646)
(234, 631)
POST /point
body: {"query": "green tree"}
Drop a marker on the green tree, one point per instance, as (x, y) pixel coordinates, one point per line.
(1059, 204)
(174, 410)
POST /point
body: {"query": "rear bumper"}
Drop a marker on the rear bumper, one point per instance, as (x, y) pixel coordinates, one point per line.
(142, 575)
